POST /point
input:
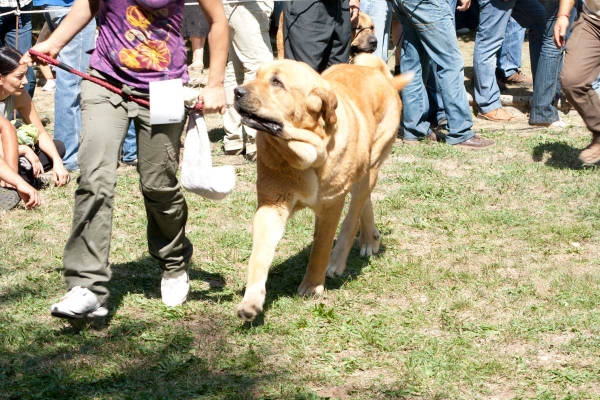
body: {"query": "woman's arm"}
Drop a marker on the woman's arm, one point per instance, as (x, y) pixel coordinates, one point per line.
(27, 110)
(213, 95)
(79, 16)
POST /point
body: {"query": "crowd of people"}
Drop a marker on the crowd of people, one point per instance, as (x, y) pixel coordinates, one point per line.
(131, 44)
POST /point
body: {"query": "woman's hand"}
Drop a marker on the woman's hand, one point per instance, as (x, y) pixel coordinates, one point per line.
(213, 98)
(30, 155)
(61, 175)
(29, 195)
(44, 47)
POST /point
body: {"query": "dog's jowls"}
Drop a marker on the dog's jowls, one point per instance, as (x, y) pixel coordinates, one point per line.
(319, 137)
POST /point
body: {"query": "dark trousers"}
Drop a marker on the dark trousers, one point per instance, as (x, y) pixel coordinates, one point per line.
(317, 32)
(27, 174)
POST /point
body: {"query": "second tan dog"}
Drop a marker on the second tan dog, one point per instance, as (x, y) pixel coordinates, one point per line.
(362, 40)
(319, 137)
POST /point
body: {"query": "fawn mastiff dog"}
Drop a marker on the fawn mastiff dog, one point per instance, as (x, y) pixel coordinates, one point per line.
(319, 137)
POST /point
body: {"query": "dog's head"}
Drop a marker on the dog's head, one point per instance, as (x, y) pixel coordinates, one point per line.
(289, 101)
(363, 35)
(284, 94)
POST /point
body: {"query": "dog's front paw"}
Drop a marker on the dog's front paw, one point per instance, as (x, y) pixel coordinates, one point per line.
(310, 289)
(251, 306)
(369, 243)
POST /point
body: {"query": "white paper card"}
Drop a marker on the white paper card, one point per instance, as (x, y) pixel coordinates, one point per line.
(166, 102)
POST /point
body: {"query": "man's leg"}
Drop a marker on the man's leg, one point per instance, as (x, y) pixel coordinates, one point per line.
(67, 110)
(130, 146)
(339, 50)
(581, 69)
(252, 45)
(435, 26)
(493, 19)
(307, 32)
(510, 54)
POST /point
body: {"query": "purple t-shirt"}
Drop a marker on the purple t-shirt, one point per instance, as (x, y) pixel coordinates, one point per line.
(140, 41)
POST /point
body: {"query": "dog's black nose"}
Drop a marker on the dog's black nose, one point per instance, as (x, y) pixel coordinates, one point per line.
(373, 41)
(240, 92)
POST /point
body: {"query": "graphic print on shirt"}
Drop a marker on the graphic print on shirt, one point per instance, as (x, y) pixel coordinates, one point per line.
(148, 30)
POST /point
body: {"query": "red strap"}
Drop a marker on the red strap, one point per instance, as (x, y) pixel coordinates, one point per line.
(112, 88)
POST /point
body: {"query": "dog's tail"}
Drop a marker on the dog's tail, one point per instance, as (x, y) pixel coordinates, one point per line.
(372, 61)
(399, 81)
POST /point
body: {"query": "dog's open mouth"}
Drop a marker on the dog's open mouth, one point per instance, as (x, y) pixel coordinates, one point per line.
(259, 123)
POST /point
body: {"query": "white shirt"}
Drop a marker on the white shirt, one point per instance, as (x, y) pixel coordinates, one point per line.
(13, 3)
(592, 8)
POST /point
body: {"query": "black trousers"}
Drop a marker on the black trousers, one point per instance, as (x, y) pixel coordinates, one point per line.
(317, 32)
(27, 174)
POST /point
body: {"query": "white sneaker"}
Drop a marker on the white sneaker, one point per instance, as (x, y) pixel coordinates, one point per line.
(49, 86)
(78, 303)
(175, 290)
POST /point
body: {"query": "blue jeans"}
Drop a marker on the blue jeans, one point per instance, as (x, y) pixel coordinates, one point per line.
(130, 144)
(67, 110)
(380, 12)
(546, 84)
(429, 34)
(510, 54)
(436, 105)
(8, 37)
(596, 85)
(493, 20)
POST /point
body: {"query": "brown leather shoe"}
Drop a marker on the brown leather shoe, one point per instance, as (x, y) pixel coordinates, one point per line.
(519, 79)
(497, 115)
(591, 154)
(476, 143)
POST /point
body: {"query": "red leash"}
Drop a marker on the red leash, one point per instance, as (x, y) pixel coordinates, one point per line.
(112, 88)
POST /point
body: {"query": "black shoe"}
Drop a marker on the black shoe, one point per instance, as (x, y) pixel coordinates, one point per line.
(9, 198)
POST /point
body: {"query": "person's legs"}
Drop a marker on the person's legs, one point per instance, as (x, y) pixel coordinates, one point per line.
(380, 12)
(67, 110)
(24, 41)
(307, 31)
(546, 89)
(86, 253)
(510, 54)
(493, 19)
(531, 15)
(581, 68)
(252, 45)
(339, 49)
(130, 146)
(414, 97)
(433, 22)
(166, 209)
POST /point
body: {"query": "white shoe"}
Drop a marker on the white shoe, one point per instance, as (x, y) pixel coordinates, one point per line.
(175, 290)
(78, 303)
(49, 86)
(558, 125)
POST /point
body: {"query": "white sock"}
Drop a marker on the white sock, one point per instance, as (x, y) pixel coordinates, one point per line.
(197, 173)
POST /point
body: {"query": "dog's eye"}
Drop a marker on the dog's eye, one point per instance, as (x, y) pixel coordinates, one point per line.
(276, 82)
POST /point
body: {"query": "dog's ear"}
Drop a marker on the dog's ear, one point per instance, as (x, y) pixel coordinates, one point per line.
(322, 99)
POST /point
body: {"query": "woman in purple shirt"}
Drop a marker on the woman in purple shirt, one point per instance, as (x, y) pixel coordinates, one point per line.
(139, 42)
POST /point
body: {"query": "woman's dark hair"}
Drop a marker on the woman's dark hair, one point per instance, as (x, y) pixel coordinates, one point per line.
(9, 60)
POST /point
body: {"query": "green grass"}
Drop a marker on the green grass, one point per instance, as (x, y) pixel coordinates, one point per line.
(487, 286)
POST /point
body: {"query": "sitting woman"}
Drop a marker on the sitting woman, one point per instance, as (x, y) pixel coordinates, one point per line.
(45, 154)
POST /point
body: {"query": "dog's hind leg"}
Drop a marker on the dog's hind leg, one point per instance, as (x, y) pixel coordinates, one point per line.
(267, 230)
(345, 240)
(325, 226)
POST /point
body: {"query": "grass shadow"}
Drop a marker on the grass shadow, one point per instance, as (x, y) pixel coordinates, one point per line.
(216, 135)
(561, 155)
(284, 278)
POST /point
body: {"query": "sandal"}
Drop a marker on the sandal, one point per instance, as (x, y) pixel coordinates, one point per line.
(9, 198)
